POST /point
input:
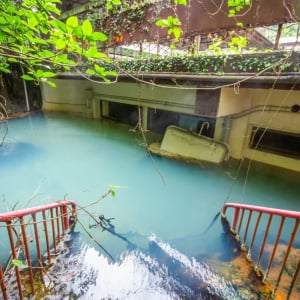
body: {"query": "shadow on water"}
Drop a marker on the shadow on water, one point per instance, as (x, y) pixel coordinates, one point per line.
(18, 153)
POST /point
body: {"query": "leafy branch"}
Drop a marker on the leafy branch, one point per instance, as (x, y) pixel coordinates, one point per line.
(32, 34)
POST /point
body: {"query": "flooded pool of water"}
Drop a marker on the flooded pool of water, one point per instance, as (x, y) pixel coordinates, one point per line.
(159, 246)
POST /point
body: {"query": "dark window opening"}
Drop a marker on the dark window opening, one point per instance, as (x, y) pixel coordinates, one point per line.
(159, 120)
(277, 142)
(123, 113)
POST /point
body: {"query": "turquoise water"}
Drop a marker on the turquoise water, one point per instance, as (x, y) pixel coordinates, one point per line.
(161, 206)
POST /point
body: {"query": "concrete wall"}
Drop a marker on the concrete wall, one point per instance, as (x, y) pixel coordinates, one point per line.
(264, 108)
(79, 96)
(239, 109)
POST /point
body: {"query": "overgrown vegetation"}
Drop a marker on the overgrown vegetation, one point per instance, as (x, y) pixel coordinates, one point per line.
(31, 34)
(199, 64)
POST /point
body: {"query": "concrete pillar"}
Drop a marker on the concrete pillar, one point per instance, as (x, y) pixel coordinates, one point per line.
(96, 108)
(145, 117)
(89, 102)
(104, 108)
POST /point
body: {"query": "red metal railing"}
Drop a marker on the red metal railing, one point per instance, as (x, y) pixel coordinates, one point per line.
(261, 220)
(29, 236)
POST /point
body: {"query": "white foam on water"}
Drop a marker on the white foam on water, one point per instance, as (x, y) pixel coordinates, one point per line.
(128, 279)
(136, 275)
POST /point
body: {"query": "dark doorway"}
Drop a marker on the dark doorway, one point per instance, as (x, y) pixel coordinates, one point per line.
(159, 120)
(123, 113)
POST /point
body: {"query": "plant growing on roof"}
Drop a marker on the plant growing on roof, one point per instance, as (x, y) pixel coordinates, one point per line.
(236, 6)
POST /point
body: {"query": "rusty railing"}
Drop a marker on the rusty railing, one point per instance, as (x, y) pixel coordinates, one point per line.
(31, 233)
(254, 226)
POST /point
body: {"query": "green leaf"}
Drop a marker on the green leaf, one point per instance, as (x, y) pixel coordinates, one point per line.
(32, 22)
(48, 74)
(99, 36)
(183, 2)
(39, 74)
(90, 72)
(13, 60)
(59, 25)
(87, 27)
(111, 73)
(99, 70)
(51, 83)
(52, 8)
(94, 53)
(19, 263)
(27, 77)
(60, 44)
(162, 23)
(77, 31)
(177, 33)
(72, 22)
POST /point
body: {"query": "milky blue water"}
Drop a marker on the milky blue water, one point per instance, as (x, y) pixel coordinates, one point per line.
(161, 206)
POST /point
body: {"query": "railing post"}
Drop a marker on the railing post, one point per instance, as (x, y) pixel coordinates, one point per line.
(235, 220)
(27, 254)
(293, 235)
(20, 242)
(37, 242)
(271, 212)
(53, 229)
(2, 283)
(254, 236)
(65, 218)
(47, 236)
(274, 248)
(243, 246)
(293, 280)
(14, 256)
(262, 247)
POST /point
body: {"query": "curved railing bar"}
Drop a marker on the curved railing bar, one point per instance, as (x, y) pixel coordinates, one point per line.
(263, 209)
(9, 216)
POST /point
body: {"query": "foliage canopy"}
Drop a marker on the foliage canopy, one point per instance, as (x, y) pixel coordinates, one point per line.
(32, 34)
